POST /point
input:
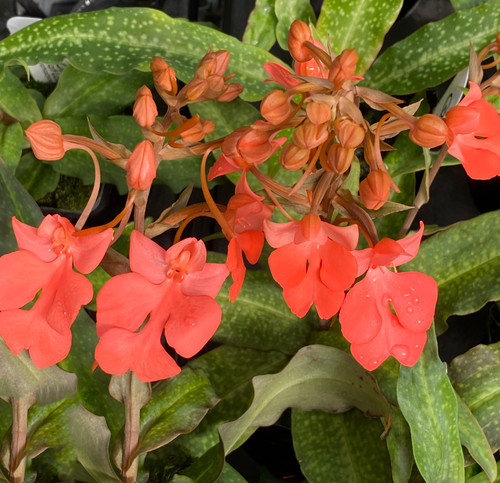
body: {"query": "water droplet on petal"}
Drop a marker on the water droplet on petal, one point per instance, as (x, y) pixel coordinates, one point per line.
(419, 321)
(409, 309)
(374, 362)
(415, 301)
(400, 352)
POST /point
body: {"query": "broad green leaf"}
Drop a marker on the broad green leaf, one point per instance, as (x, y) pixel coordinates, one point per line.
(177, 174)
(16, 100)
(465, 4)
(286, 12)
(91, 438)
(260, 318)
(428, 403)
(230, 371)
(177, 406)
(435, 52)
(11, 143)
(400, 449)
(317, 378)
(358, 24)
(14, 201)
(476, 378)
(80, 93)
(261, 25)
(483, 477)
(465, 264)
(117, 40)
(92, 385)
(206, 468)
(37, 177)
(346, 445)
(473, 438)
(20, 377)
(230, 475)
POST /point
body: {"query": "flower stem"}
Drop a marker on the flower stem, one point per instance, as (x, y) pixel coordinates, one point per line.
(17, 461)
(421, 198)
(130, 462)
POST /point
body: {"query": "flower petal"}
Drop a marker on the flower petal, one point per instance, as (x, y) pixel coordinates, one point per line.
(147, 258)
(288, 264)
(89, 250)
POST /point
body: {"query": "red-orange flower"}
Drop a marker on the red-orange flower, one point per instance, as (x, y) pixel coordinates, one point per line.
(245, 214)
(474, 135)
(170, 292)
(44, 265)
(312, 262)
(141, 166)
(388, 313)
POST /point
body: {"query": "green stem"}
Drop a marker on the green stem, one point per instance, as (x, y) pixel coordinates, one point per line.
(130, 462)
(422, 196)
(17, 461)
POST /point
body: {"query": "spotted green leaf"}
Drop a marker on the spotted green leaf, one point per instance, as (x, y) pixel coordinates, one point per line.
(15, 99)
(428, 403)
(465, 264)
(117, 40)
(177, 406)
(435, 52)
(316, 378)
(14, 201)
(287, 11)
(261, 25)
(347, 445)
(37, 177)
(359, 24)
(476, 378)
(465, 4)
(474, 439)
(11, 143)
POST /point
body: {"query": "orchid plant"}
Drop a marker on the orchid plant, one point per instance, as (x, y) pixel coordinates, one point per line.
(128, 358)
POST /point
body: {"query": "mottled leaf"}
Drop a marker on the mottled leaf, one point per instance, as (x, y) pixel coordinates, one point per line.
(428, 403)
(261, 25)
(20, 377)
(11, 144)
(117, 40)
(465, 264)
(286, 12)
(177, 406)
(465, 4)
(435, 52)
(317, 378)
(358, 24)
(16, 100)
(346, 445)
(37, 177)
(473, 438)
(476, 378)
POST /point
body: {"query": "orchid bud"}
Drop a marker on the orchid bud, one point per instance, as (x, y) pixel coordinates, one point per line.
(230, 92)
(195, 89)
(349, 133)
(141, 166)
(429, 131)
(275, 107)
(292, 157)
(298, 34)
(309, 135)
(198, 132)
(163, 76)
(375, 189)
(46, 140)
(310, 225)
(254, 146)
(145, 110)
(339, 158)
(318, 112)
(343, 68)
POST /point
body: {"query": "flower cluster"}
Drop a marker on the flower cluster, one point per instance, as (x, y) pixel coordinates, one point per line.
(312, 227)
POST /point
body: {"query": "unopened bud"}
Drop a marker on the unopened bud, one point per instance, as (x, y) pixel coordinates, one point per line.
(46, 140)
(231, 92)
(163, 76)
(338, 159)
(213, 63)
(298, 34)
(275, 107)
(318, 112)
(292, 157)
(309, 135)
(429, 131)
(375, 189)
(343, 68)
(349, 133)
(145, 110)
(198, 132)
(254, 146)
(310, 225)
(195, 89)
(141, 166)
